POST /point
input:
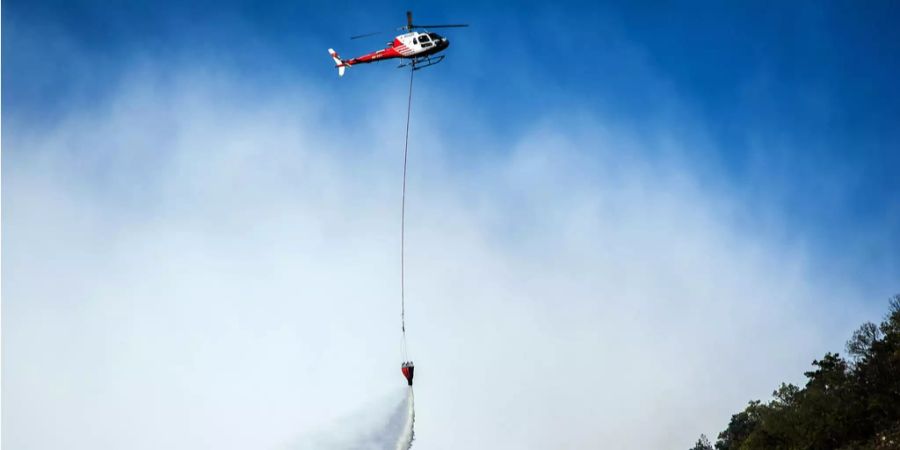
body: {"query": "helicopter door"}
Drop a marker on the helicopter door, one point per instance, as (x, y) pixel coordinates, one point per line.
(425, 41)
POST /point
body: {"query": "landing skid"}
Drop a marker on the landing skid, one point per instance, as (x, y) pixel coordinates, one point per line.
(423, 62)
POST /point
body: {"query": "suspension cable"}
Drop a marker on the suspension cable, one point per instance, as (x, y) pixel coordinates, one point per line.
(403, 219)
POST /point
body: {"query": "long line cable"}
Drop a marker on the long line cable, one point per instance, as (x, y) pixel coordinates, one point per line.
(403, 219)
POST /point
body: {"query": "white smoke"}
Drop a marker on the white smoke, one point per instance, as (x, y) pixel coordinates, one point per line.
(198, 261)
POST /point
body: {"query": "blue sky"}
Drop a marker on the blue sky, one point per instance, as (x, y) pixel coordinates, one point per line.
(656, 195)
(801, 97)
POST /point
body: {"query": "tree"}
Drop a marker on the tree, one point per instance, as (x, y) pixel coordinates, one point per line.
(860, 345)
(740, 427)
(844, 405)
(702, 444)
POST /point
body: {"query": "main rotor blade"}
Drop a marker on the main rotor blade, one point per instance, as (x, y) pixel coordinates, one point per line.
(360, 36)
(458, 25)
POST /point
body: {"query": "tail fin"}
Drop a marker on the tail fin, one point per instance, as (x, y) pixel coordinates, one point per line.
(337, 61)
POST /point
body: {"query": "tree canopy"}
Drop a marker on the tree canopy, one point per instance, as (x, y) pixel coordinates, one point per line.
(846, 403)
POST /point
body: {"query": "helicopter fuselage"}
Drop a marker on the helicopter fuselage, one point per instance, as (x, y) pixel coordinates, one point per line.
(414, 44)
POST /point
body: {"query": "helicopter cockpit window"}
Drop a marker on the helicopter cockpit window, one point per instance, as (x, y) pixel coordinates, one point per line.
(424, 38)
(434, 36)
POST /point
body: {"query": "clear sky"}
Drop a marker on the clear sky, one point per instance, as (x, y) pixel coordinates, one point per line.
(579, 172)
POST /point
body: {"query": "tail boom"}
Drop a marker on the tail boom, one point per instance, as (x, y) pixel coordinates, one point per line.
(387, 53)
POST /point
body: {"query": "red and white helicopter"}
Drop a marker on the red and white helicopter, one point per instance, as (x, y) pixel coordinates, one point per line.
(416, 46)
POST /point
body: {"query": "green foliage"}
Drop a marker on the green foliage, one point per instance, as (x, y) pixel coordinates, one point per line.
(702, 444)
(844, 405)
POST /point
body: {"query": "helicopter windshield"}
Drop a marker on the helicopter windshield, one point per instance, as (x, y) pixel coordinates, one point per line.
(435, 36)
(424, 38)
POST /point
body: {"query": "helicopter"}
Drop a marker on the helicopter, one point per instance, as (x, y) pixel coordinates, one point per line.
(419, 47)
